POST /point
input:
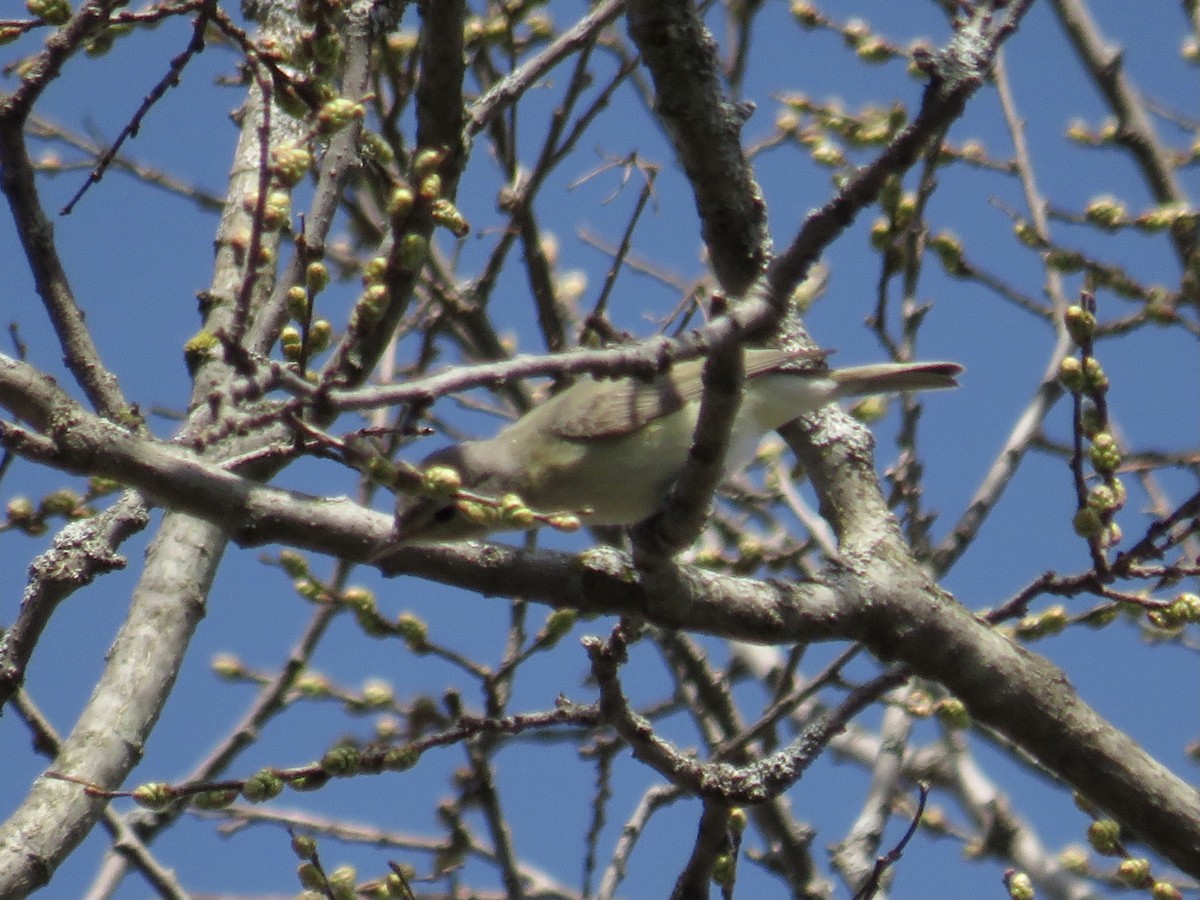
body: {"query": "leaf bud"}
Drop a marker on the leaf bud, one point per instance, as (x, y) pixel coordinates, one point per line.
(1105, 837)
(341, 762)
(262, 786)
(952, 713)
(1020, 886)
(414, 632)
(411, 253)
(1104, 453)
(1135, 872)
(1081, 325)
(153, 795)
(1070, 374)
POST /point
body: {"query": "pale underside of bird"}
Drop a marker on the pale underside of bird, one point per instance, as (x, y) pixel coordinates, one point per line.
(610, 449)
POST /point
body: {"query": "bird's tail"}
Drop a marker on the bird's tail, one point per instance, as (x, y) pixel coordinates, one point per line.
(886, 378)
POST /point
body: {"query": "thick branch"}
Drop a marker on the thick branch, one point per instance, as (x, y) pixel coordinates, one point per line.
(705, 130)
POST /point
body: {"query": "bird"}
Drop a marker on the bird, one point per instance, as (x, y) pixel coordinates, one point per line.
(609, 449)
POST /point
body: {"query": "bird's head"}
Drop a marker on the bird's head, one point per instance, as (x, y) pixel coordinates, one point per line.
(429, 519)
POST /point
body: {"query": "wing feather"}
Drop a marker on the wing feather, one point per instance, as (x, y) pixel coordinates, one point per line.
(601, 409)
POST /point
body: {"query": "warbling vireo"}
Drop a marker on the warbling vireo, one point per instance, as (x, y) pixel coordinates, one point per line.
(615, 446)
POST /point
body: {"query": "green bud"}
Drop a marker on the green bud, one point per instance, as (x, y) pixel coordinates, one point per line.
(1020, 886)
(262, 786)
(1081, 325)
(20, 510)
(1027, 233)
(1104, 453)
(316, 276)
(298, 303)
(154, 795)
(310, 877)
(521, 518)
(1187, 607)
(1053, 619)
(873, 50)
(1107, 212)
(1070, 373)
(377, 693)
(374, 146)
(426, 162)
(446, 215)
(320, 333)
(342, 882)
(1102, 499)
(337, 114)
(313, 684)
(304, 846)
(444, 481)
(827, 153)
(215, 799)
(359, 598)
(1105, 837)
(1078, 131)
(290, 163)
(52, 12)
(558, 625)
(1087, 523)
(952, 713)
(327, 48)
(738, 820)
(881, 233)
(869, 409)
(949, 250)
(1135, 872)
(540, 25)
(414, 632)
(227, 666)
(1066, 261)
(1162, 217)
(277, 210)
(411, 252)
(63, 502)
(1160, 308)
(1094, 380)
(370, 306)
(310, 589)
(476, 513)
(973, 151)
(341, 762)
(855, 31)
(806, 14)
(312, 781)
(564, 522)
(293, 563)
(374, 270)
(1090, 422)
(401, 202)
(430, 188)
(400, 759)
(1074, 859)
(380, 471)
(724, 869)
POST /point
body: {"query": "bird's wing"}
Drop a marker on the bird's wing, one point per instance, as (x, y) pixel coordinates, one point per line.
(599, 409)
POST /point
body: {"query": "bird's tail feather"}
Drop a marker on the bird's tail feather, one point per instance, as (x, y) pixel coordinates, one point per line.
(885, 378)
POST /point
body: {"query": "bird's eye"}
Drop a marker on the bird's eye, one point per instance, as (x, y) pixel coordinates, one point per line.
(444, 514)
